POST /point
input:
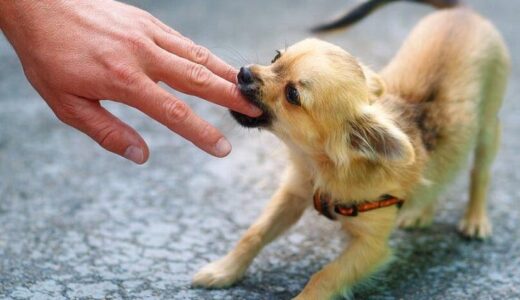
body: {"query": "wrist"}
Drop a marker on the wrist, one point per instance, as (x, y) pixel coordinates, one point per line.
(13, 16)
(21, 20)
(11, 12)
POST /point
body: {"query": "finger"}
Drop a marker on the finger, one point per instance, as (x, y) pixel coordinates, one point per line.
(167, 29)
(107, 130)
(195, 79)
(187, 49)
(177, 116)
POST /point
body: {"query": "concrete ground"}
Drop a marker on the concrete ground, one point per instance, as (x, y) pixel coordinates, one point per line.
(77, 222)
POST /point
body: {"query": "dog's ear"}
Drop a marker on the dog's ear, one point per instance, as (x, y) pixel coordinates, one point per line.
(377, 138)
(375, 83)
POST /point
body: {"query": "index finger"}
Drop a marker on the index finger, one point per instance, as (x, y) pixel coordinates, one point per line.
(197, 80)
(186, 48)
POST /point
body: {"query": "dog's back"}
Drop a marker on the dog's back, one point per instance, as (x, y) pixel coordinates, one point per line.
(447, 47)
(446, 53)
(444, 68)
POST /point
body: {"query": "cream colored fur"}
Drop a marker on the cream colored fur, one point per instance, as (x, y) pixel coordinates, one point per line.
(358, 135)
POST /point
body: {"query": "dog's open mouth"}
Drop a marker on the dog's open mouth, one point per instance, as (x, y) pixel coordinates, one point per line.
(253, 96)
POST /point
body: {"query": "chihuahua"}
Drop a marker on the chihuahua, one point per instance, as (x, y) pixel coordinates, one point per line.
(372, 150)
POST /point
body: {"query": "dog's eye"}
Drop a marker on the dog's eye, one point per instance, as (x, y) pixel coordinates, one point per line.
(292, 95)
(276, 57)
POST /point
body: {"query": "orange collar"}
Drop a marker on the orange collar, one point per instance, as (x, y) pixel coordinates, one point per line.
(324, 204)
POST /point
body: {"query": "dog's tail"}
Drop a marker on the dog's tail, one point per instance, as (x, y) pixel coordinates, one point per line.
(367, 7)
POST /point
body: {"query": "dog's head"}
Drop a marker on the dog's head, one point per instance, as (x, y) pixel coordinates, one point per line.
(318, 98)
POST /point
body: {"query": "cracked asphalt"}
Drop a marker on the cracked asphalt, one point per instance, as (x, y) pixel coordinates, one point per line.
(77, 222)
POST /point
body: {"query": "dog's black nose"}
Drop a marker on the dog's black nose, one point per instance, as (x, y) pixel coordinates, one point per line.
(245, 76)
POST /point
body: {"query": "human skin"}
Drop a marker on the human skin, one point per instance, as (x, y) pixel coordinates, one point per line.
(76, 53)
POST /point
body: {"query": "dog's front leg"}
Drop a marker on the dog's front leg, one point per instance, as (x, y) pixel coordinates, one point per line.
(366, 252)
(285, 208)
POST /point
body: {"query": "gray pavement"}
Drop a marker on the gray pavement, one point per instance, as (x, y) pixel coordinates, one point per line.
(77, 222)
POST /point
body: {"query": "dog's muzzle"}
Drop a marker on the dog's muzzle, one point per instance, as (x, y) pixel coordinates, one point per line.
(250, 87)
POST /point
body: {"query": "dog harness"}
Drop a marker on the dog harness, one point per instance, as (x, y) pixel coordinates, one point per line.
(327, 207)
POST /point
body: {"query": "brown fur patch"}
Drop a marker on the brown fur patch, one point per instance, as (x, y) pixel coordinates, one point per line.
(429, 131)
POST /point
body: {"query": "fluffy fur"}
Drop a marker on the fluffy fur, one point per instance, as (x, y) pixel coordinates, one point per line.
(358, 135)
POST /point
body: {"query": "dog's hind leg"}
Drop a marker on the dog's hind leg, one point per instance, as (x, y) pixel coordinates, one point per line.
(475, 223)
(284, 210)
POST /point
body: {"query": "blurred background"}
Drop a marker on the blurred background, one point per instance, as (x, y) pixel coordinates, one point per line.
(79, 222)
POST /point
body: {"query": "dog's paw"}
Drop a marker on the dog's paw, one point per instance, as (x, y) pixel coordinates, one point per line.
(415, 219)
(218, 274)
(346, 296)
(315, 294)
(475, 227)
(324, 285)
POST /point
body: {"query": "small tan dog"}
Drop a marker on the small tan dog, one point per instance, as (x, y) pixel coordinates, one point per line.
(362, 143)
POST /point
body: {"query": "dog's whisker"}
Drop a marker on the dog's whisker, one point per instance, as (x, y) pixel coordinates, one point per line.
(231, 54)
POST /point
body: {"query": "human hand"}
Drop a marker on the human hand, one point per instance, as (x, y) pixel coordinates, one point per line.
(76, 53)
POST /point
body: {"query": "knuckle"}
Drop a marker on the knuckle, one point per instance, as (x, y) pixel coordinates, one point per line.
(234, 98)
(176, 112)
(234, 94)
(125, 75)
(198, 54)
(230, 73)
(166, 28)
(107, 136)
(198, 75)
(147, 15)
(172, 31)
(67, 112)
(189, 43)
(138, 43)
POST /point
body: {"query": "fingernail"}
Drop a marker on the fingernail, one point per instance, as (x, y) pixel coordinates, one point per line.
(222, 147)
(134, 154)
